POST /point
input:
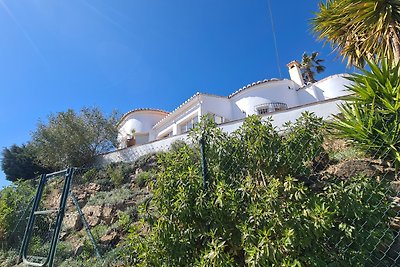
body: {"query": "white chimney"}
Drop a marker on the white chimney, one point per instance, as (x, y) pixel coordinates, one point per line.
(295, 72)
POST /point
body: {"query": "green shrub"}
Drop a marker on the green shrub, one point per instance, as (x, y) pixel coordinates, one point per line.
(142, 178)
(74, 138)
(254, 211)
(8, 258)
(124, 220)
(90, 175)
(14, 201)
(118, 173)
(143, 160)
(348, 153)
(178, 144)
(112, 197)
(370, 117)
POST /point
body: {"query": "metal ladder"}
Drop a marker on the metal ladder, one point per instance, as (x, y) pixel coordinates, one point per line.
(39, 261)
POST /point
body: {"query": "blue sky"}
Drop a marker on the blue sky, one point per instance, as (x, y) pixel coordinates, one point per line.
(126, 54)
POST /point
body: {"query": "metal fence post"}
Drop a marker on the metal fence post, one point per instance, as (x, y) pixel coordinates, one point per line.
(203, 161)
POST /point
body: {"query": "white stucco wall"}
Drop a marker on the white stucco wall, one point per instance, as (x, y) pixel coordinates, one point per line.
(172, 122)
(217, 105)
(132, 153)
(308, 95)
(238, 106)
(141, 121)
(332, 86)
(323, 109)
(272, 91)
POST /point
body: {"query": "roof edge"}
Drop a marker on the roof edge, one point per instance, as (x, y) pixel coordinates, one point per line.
(123, 117)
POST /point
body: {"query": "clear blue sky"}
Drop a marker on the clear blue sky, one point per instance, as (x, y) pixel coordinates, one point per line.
(125, 54)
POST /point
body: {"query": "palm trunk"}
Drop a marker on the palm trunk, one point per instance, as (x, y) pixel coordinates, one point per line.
(395, 40)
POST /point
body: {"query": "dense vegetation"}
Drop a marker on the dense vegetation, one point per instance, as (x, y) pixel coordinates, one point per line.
(266, 201)
(67, 139)
(259, 208)
(74, 139)
(14, 201)
(371, 115)
(360, 30)
(20, 162)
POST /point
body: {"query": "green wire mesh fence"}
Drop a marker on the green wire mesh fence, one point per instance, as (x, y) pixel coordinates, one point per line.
(254, 197)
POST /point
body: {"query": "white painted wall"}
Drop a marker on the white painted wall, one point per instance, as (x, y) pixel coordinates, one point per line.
(272, 91)
(220, 106)
(332, 86)
(132, 153)
(323, 109)
(142, 121)
(178, 117)
(308, 95)
(236, 107)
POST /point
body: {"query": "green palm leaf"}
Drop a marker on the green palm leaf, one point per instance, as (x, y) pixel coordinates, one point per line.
(360, 30)
(370, 117)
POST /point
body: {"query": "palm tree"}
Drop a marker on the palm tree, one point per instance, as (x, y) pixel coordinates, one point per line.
(360, 29)
(309, 65)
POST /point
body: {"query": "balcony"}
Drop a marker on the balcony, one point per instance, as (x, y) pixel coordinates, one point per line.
(270, 107)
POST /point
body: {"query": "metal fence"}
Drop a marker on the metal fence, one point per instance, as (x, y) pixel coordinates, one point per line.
(108, 197)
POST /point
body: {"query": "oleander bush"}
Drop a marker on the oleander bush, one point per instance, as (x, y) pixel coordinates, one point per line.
(254, 209)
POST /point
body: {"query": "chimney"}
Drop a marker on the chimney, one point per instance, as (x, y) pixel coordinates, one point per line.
(295, 72)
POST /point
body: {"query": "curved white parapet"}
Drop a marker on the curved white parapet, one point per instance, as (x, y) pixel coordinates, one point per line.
(332, 87)
(138, 123)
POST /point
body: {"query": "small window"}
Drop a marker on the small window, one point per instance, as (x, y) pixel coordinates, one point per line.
(217, 119)
(169, 134)
(262, 111)
(187, 126)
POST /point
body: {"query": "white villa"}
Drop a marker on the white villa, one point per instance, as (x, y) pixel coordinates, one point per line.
(283, 99)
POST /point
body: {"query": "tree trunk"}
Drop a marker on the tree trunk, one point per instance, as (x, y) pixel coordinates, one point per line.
(395, 40)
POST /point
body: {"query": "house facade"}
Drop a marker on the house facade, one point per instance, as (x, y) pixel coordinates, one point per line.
(267, 97)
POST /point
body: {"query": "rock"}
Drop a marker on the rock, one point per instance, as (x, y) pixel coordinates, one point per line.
(72, 222)
(83, 193)
(110, 239)
(351, 168)
(395, 185)
(321, 161)
(395, 223)
(108, 214)
(138, 170)
(63, 236)
(93, 188)
(92, 214)
(78, 250)
(396, 204)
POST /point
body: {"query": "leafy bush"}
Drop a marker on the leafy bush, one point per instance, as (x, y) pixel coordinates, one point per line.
(370, 117)
(89, 176)
(8, 258)
(142, 178)
(349, 152)
(14, 201)
(118, 173)
(20, 162)
(125, 219)
(111, 197)
(74, 139)
(178, 144)
(254, 212)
